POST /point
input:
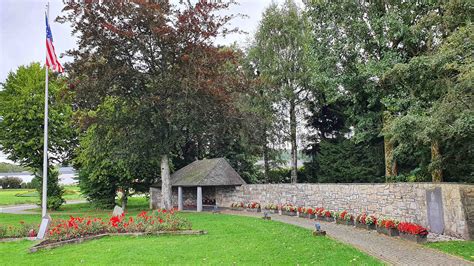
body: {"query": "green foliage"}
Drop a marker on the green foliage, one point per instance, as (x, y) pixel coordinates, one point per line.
(22, 112)
(280, 56)
(410, 59)
(343, 161)
(109, 159)
(10, 182)
(283, 175)
(11, 168)
(54, 190)
(21, 126)
(437, 105)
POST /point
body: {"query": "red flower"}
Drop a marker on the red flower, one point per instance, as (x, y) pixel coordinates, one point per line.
(343, 214)
(115, 220)
(412, 228)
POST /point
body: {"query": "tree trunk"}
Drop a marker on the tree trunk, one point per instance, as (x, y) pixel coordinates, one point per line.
(391, 167)
(266, 163)
(294, 148)
(436, 172)
(124, 199)
(165, 183)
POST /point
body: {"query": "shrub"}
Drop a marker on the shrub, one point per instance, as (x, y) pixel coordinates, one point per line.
(28, 185)
(10, 182)
(55, 191)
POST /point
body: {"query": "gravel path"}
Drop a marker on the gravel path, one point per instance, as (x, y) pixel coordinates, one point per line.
(393, 251)
(23, 208)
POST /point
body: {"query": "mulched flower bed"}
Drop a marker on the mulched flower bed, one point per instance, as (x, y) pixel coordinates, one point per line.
(78, 229)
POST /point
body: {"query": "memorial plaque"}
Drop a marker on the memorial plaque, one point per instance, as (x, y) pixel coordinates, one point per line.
(434, 203)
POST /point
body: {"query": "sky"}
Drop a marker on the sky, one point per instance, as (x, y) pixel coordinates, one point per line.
(22, 31)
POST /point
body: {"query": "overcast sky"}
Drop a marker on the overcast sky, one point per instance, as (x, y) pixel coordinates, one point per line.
(22, 31)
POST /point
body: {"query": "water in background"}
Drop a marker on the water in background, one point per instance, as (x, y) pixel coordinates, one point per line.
(66, 176)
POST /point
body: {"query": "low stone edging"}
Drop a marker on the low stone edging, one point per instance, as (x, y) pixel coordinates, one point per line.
(42, 246)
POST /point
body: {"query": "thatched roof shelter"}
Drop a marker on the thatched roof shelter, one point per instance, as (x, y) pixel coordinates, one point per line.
(206, 172)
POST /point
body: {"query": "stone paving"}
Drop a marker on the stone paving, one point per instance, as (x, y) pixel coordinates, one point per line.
(391, 250)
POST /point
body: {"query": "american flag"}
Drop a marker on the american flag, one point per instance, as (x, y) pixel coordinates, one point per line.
(51, 59)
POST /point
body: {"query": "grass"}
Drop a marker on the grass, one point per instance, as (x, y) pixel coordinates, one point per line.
(30, 196)
(230, 240)
(463, 249)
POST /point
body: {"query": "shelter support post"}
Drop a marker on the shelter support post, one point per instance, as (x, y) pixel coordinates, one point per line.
(180, 198)
(199, 199)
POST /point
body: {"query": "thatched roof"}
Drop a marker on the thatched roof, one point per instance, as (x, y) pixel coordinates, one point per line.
(207, 172)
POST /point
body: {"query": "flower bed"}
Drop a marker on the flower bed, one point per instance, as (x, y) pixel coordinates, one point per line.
(271, 207)
(76, 227)
(253, 207)
(324, 215)
(387, 227)
(306, 212)
(413, 232)
(366, 222)
(289, 210)
(237, 206)
(24, 230)
(344, 218)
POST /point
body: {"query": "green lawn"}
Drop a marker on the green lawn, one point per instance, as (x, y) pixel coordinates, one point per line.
(463, 249)
(230, 239)
(27, 196)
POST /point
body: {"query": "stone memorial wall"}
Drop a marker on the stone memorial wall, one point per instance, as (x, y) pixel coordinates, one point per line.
(444, 208)
(447, 207)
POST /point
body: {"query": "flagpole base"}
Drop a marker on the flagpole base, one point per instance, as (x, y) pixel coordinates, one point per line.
(45, 222)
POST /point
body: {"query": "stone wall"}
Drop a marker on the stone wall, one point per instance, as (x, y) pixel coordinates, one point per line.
(402, 201)
(467, 194)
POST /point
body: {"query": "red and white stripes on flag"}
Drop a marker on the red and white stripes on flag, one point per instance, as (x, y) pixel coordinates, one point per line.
(51, 58)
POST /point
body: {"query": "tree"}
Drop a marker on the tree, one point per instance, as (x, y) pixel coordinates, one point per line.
(355, 44)
(281, 54)
(440, 111)
(21, 126)
(158, 61)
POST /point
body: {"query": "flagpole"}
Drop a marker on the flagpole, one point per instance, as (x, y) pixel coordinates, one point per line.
(45, 141)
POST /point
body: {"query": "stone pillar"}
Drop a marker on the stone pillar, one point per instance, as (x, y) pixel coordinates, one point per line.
(180, 198)
(199, 199)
